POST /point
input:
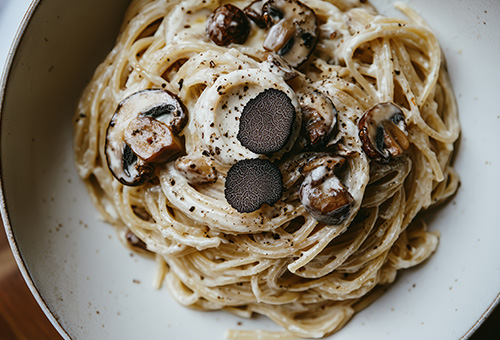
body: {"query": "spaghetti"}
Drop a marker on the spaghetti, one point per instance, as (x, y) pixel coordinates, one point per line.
(307, 273)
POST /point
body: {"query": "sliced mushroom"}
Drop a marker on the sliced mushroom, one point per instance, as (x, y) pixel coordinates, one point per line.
(250, 183)
(266, 122)
(144, 124)
(279, 66)
(197, 168)
(319, 118)
(254, 12)
(293, 30)
(228, 24)
(167, 109)
(382, 129)
(322, 193)
(126, 166)
(152, 140)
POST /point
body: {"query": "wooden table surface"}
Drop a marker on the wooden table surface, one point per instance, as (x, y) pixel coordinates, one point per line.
(20, 315)
(22, 319)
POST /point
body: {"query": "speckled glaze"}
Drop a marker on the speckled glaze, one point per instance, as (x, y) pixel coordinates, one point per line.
(92, 287)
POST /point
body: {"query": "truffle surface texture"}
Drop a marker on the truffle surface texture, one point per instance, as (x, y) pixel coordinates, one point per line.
(252, 182)
(266, 122)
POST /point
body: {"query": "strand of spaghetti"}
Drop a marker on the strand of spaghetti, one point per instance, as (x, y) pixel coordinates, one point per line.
(421, 36)
(233, 334)
(279, 261)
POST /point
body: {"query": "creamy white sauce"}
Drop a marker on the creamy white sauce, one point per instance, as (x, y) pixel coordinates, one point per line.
(219, 108)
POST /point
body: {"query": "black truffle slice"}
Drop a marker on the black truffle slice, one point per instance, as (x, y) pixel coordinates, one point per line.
(251, 183)
(266, 122)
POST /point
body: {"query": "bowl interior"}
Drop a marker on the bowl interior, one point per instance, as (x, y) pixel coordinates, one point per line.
(93, 287)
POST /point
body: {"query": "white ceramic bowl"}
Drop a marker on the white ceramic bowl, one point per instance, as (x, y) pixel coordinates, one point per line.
(91, 287)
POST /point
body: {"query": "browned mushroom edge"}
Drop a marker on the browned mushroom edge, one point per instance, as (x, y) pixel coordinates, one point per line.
(322, 193)
(382, 130)
(142, 133)
(293, 30)
(319, 118)
(228, 24)
(254, 12)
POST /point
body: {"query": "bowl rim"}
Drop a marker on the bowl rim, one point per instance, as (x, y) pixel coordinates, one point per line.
(6, 72)
(5, 75)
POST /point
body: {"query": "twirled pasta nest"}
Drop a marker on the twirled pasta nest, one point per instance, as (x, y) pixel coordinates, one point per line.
(273, 155)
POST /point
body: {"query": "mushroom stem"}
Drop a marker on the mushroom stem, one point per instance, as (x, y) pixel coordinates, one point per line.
(153, 141)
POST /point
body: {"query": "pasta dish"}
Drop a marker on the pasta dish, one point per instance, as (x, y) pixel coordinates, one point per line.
(273, 156)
